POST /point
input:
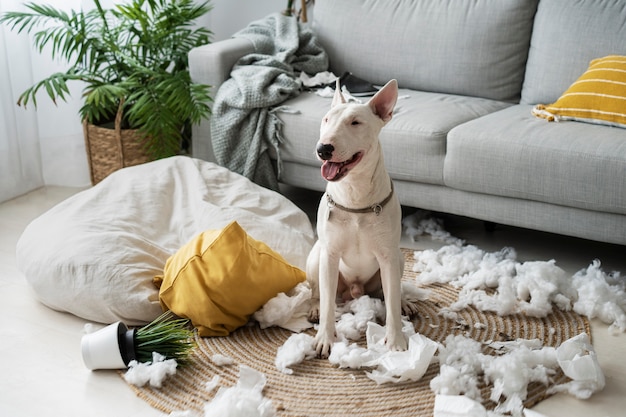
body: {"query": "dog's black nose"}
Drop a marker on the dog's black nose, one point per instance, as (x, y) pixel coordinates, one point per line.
(325, 151)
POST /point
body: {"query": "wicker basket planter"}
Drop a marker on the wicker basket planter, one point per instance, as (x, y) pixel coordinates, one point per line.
(111, 149)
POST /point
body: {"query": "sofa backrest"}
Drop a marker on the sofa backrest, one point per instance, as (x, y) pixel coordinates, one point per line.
(567, 35)
(468, 47)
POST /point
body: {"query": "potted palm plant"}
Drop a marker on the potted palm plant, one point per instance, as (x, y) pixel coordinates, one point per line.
(138, 101)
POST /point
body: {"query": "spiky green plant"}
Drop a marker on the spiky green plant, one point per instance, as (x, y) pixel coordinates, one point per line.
(168, 335)
(135, 54)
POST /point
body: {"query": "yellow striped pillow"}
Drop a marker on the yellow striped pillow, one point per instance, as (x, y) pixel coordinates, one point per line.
(598, 96)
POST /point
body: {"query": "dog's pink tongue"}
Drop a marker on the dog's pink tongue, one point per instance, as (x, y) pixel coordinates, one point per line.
(330, 170)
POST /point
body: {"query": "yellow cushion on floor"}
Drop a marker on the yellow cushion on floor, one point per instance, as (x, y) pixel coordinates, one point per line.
(221, 277)
(598, 96)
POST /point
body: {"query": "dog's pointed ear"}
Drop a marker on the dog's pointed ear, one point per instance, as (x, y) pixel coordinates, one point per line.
(338, 98)
(384, 101)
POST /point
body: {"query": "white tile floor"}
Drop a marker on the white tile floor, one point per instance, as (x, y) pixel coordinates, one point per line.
(41, 370)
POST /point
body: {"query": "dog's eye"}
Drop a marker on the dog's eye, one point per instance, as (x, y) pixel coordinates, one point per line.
(355, 123)
(325, 120)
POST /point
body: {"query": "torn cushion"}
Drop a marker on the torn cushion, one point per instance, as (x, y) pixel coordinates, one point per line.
(598, 96)
(221, 277)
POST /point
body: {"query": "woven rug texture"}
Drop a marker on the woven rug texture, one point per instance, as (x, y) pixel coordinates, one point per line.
(317, 388)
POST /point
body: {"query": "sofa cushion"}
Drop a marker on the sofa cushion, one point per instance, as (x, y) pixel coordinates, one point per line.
(221, 277)
(414, 141)
(513, 154)
(447, 46)
(598, 96)
(567, 35)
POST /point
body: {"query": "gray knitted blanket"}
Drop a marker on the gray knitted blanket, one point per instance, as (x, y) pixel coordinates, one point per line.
(243, 124)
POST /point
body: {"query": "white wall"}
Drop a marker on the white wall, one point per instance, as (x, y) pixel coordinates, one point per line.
(229, 16)
(64, 160)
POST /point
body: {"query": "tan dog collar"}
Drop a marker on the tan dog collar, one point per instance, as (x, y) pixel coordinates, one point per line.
(375, 208)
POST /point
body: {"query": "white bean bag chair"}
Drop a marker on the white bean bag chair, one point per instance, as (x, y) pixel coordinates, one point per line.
(95, 254)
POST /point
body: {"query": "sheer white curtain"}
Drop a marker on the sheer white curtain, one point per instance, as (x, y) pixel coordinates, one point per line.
(20, 162)
(42, 146)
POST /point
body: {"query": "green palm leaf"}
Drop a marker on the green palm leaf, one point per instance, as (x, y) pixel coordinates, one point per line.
(135, 54)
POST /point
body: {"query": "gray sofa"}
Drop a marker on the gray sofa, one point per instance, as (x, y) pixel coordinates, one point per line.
(463, 139)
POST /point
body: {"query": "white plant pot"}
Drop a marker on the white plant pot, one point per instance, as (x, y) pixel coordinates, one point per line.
(112, 347)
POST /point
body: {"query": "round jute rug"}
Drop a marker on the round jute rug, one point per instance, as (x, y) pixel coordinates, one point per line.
(317, 388)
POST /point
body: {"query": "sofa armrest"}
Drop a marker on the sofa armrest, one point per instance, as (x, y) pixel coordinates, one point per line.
(211, 64)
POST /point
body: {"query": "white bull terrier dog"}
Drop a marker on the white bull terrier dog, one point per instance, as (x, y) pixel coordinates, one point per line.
(358, 220)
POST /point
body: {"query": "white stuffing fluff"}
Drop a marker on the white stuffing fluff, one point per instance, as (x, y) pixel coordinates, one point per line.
(350, 356)
(450, 263)
(213, 383)
(462, 406)
(384, 365)
(321, 78)
(418, 224)
(154, 372)
(355, 314)
(398, 366)
(298, 347)
(511, 373)
(579, 362)
(460, 362)
(530, 288)
(347, 327)
(329, 92)
(601, 295)
(532, 413)
(459, 406)
(288, 311)
(222, 360)
(412, 293)
(244, 399)
(498, 282)
(512, 368)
